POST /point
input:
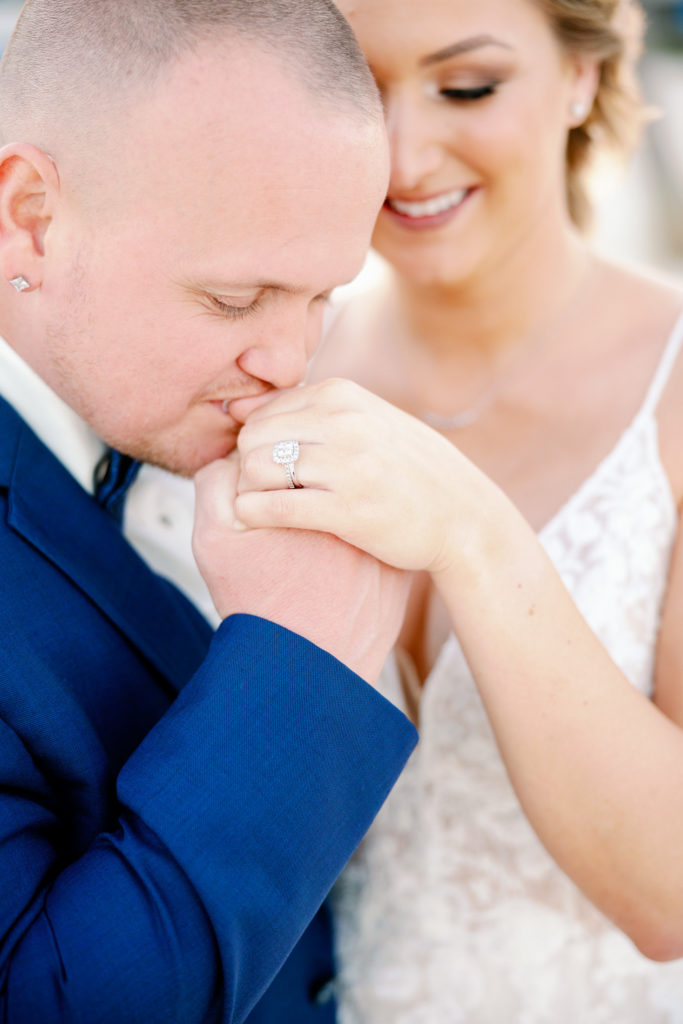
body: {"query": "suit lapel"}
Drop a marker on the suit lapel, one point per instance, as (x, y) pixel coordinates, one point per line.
(54, 514)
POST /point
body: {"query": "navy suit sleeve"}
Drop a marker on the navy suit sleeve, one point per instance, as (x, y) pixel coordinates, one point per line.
(236, 813)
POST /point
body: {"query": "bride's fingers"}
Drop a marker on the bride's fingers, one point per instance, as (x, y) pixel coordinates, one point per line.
(301, 426)
(346, 434)
(334, 394)
(356, 520)
(260, 472)
(318, 412)
(294, 509)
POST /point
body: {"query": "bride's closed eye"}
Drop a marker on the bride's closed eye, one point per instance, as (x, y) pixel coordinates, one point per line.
(469, 94)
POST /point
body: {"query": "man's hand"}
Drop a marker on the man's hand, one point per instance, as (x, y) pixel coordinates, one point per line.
(338, 597)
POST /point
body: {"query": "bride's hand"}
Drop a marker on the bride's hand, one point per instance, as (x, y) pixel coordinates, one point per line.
(371, 474)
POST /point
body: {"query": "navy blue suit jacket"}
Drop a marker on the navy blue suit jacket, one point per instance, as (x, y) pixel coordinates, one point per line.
(174, 804)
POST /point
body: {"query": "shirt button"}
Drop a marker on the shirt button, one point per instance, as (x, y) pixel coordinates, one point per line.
(323, 991)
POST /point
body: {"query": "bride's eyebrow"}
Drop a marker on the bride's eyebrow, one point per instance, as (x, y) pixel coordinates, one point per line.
(463, 46)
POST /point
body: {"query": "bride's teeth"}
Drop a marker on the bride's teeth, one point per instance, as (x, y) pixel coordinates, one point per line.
(430, 207)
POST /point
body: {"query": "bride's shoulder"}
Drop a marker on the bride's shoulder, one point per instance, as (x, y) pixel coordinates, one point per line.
(641, 292)
(652, 306)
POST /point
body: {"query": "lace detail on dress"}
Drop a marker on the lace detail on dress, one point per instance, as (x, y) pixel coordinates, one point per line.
(451, 911)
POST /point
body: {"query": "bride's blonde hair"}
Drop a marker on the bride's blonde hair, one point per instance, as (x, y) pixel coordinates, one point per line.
(612, 31)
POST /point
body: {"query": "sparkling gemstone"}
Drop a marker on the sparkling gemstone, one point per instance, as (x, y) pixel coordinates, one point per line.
(285, 452)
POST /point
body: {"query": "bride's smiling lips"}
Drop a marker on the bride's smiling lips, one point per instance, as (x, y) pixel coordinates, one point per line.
(428, 211)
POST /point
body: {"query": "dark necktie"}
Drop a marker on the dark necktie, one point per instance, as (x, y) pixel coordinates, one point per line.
(114, 473)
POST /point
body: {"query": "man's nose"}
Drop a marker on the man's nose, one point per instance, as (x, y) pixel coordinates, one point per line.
(416, 151)
(280, 357)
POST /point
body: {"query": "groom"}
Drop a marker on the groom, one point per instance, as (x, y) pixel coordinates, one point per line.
(182, 183)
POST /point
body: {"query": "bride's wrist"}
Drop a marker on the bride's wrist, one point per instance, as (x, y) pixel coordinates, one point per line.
(482, 546)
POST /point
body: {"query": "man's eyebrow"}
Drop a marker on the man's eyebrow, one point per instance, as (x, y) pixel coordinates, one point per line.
(224, 286)
(463, 46)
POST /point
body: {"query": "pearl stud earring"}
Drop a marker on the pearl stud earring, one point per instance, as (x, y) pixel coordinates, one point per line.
(578, 111)
(20, 283)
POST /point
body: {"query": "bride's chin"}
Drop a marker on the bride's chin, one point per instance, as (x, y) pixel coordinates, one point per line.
(430, 274)
(442, 266)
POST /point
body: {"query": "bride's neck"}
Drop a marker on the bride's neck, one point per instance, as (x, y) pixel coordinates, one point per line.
(495, 309)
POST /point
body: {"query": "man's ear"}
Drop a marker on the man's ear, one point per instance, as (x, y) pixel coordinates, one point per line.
(29, 189)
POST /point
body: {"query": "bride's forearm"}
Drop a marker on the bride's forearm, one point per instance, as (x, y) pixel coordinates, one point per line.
(596, 766)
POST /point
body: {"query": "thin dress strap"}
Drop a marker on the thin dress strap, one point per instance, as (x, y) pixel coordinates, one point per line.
(665, 367)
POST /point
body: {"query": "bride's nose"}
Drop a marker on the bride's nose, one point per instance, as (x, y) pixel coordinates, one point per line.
(416, 152)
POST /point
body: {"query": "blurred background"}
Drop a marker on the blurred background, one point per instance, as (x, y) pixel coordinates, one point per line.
(8, 13)
(640, 208)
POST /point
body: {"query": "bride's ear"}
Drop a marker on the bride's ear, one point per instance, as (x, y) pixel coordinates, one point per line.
(585, 79)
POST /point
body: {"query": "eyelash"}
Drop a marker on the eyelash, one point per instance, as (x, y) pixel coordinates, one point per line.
(235, 312)
(242, 312)
(469, 95)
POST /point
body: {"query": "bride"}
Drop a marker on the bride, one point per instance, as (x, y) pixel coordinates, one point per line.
(543, 809)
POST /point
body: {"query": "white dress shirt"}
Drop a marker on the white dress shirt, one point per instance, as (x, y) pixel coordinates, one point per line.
(159, 509)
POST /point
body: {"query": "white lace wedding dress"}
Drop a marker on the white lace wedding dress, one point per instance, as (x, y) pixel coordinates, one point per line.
(451, 911)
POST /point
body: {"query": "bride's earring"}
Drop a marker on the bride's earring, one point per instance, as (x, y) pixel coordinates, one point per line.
(578, 112)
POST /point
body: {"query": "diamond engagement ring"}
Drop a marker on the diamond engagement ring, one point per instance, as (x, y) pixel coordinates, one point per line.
(285, 453)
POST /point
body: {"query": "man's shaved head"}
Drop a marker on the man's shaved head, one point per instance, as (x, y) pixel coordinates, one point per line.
(71, 65)
(182, 184)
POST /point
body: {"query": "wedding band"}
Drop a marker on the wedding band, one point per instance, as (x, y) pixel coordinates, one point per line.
(285, 453)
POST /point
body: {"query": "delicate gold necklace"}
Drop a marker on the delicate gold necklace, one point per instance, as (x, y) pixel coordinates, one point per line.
(473, 412)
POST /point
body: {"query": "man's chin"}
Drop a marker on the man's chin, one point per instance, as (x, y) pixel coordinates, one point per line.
(186, 463)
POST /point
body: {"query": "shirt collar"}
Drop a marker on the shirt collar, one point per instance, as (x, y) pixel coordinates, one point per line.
(62, 430)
